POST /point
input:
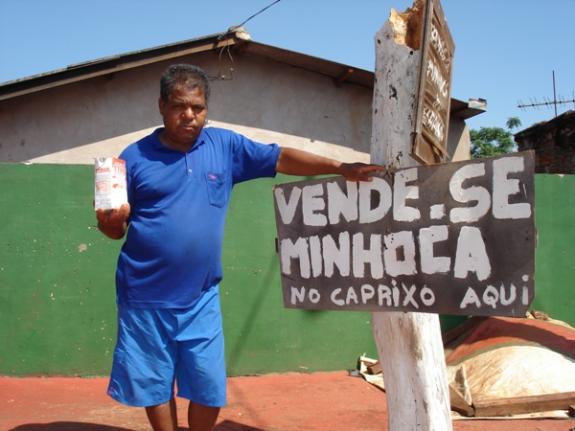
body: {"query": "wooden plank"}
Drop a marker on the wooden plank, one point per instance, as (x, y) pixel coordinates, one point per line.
(374, 368)
(528, 404)
(431, 127)
(458, 403)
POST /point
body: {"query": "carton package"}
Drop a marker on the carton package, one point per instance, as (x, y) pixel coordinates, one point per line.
(110, 190)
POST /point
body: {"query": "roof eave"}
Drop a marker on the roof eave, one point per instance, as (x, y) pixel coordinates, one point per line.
(108, 65)
(340, 73)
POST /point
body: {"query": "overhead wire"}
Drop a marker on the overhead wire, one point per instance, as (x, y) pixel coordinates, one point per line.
(258, 13)
(233, 29)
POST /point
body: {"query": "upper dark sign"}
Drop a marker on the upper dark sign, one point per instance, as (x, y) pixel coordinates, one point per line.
(456, 238)
(432, 117)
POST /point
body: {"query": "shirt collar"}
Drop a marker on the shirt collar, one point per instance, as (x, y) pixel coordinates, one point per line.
(201, 139)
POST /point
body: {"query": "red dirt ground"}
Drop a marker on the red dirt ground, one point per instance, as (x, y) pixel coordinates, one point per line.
(330, 401)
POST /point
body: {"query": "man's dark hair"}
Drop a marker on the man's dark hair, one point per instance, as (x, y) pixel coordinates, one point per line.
(185, 75)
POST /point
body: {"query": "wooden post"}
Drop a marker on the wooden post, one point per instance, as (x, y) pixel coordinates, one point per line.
(409, 344)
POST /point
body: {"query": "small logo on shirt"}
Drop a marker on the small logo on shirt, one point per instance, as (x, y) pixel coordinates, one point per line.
(212, 177)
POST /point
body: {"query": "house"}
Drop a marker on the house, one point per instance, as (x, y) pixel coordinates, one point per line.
(553, 142)
(268, 93)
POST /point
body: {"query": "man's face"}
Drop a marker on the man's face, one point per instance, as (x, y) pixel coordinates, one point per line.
(184, 115)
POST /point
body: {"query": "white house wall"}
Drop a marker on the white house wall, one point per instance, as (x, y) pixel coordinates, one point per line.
(266, 100)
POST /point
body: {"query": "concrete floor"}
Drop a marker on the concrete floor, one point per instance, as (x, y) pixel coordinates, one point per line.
(330, 401)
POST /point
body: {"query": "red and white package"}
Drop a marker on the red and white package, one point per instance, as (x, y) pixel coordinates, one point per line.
(110, 190)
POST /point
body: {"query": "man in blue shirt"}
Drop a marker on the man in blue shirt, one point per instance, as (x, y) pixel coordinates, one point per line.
(179, 183)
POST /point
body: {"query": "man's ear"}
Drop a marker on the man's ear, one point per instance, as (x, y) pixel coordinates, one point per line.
(161, 105)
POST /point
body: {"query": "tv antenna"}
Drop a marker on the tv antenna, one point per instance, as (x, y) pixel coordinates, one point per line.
(534, 103)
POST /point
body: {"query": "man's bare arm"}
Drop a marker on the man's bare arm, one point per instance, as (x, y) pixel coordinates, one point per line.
(297, 162)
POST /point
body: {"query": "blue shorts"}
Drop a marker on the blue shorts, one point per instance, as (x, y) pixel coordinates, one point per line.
(159, 347)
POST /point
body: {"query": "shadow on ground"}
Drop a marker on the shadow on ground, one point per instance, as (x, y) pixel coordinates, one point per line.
(234, 426)
(68, 426)
(83, 426)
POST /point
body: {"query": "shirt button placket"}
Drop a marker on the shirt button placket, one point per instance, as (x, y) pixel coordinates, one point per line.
(188, 165)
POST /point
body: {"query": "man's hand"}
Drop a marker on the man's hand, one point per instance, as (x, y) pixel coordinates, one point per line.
(359, 171)
(113, 223)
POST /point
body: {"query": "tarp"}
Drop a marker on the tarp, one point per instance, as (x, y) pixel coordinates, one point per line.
(499, 358)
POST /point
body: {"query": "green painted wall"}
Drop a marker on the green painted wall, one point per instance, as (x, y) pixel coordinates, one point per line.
(57, 273)
(555, 255)
(56, 295)
(262, 335)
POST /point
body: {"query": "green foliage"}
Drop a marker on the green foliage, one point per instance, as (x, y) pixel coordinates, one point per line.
(493, 141)
(513, 122)
(490, 141)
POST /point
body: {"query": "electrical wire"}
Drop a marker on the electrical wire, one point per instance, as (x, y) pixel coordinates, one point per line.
(257, 13)
(227, 48)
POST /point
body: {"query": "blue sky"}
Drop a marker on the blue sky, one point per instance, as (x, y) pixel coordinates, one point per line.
(505, 52)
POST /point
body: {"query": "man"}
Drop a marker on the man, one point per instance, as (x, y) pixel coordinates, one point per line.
(179, 183)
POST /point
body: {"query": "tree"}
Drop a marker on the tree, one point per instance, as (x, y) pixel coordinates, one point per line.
(513, 122)
(493, 141)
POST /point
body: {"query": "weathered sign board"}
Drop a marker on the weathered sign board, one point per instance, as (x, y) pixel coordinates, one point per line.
(434, 96)
(454, 238)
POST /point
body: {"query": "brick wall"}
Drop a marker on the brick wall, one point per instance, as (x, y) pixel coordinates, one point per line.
(553, 142)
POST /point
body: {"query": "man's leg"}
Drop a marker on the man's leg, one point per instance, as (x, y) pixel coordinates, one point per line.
(143, 369)
(202, 418)
(163, 417)
(201, 371)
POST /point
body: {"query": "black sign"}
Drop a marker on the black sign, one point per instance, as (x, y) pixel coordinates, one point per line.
(456, 238)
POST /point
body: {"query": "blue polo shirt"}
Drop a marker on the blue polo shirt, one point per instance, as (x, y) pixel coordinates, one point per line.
(178, 205)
